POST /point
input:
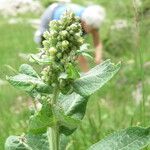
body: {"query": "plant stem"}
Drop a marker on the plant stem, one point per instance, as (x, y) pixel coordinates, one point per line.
(53, 133)
(53, 138)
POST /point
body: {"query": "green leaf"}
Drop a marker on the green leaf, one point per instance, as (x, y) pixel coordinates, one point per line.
(64, 120)
(133, 138)
(64, 142)
(72, 104)
(28, 83)
(73, 107)
(28, 70)
(16, 143)
(41, 120)
(27, 142)
(38, 141)
(94, 79)
(72, 72)
(84, 51)
(86, 54)
(41, 61)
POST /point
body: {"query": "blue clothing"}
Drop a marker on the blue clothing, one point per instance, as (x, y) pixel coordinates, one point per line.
(58, 11)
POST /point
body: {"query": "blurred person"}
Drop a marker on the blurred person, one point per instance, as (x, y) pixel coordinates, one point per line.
(91, 18)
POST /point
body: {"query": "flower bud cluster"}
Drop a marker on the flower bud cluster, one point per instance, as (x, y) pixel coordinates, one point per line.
(62, 41)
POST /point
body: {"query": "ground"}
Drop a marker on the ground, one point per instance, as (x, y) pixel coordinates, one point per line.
(123, 102)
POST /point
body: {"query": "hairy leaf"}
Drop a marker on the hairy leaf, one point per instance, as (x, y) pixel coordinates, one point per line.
(41, 61)
(84, 51)
(28, 70)
(64, 120)
(38, 141)
(73, 106)
(72, 72)
(28, 83)
(64, 142)
(95, 78)
(17, 143)
(41, 120)
(133, 138)
(27, 142)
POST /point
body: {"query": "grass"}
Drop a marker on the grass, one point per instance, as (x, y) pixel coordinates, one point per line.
(13, 111)
(111, 108)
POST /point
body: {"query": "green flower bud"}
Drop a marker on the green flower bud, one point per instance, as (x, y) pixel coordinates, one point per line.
(77, 35)
(74, 27)
(53, 33)
(46, 44)
(46, 35)
(62, 61)
(65, 44)
(71, 32)
(64, 33)
(59, 55)
(59, 38)
(80, 40)
(53, 24)
(52, 51)
(68, 28)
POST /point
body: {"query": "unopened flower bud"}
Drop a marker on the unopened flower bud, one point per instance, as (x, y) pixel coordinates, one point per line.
(46, 35)
(77, 35)
(64, 33)
(59, 55)
(53, 33)
(80, 40)
(52, 51)
(65, 44)
(74, 27)
(71, 32)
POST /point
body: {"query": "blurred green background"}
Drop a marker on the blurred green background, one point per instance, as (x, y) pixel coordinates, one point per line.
(123, 102)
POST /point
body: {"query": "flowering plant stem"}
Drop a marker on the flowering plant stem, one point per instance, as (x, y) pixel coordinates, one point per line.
(53, 132)
(53, 138)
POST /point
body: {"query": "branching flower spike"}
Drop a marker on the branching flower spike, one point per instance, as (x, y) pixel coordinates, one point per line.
(60, 46)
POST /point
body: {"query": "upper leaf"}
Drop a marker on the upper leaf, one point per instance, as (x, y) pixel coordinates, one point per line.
(72, 71)
(133, 138)
(94, 79)
(41, 61)
(28, 83)
(73, 107)
(64, 120)
(71, 104)
(28, 70)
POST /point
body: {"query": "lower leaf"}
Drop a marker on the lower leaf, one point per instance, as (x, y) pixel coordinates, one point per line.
(27, 142)
(16, 143)
(133, 138)
(41, 120)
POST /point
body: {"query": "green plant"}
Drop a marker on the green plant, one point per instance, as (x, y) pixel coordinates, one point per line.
(64, 93)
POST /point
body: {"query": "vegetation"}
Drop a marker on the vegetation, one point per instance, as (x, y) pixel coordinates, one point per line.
(114, 106)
